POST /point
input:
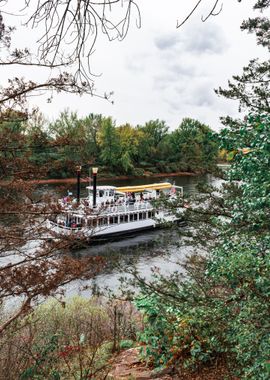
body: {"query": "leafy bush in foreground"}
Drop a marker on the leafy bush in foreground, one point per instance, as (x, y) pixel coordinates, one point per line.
(223, 310)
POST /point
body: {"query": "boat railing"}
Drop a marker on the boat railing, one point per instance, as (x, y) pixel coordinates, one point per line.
(110, 208)
(64, 227)
(127, 207)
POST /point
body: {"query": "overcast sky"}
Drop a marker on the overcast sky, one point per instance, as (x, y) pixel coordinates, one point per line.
(162, 72)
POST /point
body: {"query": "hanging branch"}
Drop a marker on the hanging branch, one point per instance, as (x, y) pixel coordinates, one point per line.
(67, 38)
(188, 16)
(72, 28)
(212, 12)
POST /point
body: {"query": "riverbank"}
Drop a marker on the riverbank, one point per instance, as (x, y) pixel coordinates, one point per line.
(105, 178)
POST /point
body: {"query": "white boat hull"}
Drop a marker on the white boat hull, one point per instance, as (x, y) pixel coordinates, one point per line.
(108, 231)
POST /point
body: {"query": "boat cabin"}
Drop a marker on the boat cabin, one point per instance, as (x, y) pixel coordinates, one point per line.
(108, 195)
(105, 195)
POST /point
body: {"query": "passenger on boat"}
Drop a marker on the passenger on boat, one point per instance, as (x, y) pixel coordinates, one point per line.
(131, 201)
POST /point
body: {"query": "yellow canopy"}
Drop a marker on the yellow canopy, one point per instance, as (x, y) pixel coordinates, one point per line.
(139, 188)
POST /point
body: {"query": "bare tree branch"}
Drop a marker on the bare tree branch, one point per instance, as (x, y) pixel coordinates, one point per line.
(178, 25)
(212, 12)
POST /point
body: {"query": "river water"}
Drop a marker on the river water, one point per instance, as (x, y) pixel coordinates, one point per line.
(154, 249)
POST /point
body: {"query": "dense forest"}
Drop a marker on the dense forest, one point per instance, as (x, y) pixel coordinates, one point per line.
(96, 140)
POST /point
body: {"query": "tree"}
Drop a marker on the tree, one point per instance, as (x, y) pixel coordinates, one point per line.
(153, 135)
(30, 263)
(220, 312)
(129, 140)
(251, 88)
(92, 125)
(66, 35)
(65, 143)
(73, 143)
(194, 146)
(31, 267)
(108, 142)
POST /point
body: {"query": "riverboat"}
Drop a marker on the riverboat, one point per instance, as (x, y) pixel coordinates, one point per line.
(111, 211)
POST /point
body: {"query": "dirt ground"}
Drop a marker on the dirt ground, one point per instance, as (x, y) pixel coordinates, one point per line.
(128, 366)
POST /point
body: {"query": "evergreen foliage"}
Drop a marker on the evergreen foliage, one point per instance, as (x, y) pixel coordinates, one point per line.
(220, 312)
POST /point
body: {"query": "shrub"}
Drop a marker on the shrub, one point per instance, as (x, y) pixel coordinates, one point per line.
(68, 339)
(222, 308)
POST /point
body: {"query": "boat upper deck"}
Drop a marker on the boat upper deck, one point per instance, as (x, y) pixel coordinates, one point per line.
(84, 210)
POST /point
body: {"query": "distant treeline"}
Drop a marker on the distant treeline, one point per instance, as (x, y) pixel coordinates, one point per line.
(96, 140)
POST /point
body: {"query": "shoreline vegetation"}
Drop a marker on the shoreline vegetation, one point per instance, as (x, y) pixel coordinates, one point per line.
(104, 178)
(57, 149)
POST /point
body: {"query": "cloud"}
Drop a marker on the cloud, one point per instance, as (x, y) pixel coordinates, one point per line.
(135, 64)
(190, 95)
(182, 69)
(205, 39)
(175, 72)
(164, 42)
(201, 95)
(198, 39)
(167, 81)
(184, 64)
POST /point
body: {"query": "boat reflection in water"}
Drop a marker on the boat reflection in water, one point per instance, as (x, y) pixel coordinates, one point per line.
(142, 252)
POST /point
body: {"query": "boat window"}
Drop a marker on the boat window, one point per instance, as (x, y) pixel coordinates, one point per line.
(135, 216)
(122, 218)
(94, 222)
(111, 193)
(140, 216)
(150, 214)
(111, 219)
(101, 221)
(131, 217)
(116, 219)
(126, 218)
(101, 193)
(144, 215)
